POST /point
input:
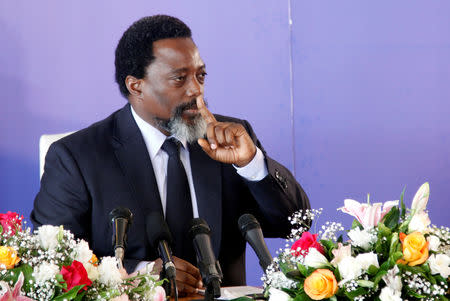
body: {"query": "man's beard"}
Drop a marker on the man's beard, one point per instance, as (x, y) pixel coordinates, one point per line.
(181, 129)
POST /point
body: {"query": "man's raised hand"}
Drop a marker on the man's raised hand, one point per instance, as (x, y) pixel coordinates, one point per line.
(226, 142)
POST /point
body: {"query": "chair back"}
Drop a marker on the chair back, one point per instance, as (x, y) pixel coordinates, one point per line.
(44, 143)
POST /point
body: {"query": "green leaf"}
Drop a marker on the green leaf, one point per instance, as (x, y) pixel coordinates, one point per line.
(383, 230)
(333, 298)
(402, 204)
(413, 293)
(302, 269)
(61, 282)
(385, 266)
(358, 292)
(242, 299)
(396, 256)
(1, 229)
(302, 297)
(356, 224)
(79, 297)
(378, 277)
(390, 220)
(294, 274)
(426, 268)
(70, 295)
(365, 283)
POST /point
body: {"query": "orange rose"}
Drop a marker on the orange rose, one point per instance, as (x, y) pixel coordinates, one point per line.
(94, 260)
(8, 258)
(415, 248)
(321, 284)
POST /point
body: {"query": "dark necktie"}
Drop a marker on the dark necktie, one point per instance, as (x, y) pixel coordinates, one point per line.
(178, 201)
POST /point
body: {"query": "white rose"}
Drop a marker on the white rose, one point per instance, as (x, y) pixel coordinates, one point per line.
(45, 271)
(362, 238)
(315, 259)
(439, 264)
(48, 236)
(367, 259)
(109, 273)
(91, 270)
(393, 280)
(419, 222)
(434, 243)
(278, 295)
(349, 268)
(81, 252)
(388, 294)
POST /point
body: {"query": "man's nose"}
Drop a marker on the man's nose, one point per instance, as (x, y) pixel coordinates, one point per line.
(194, 88)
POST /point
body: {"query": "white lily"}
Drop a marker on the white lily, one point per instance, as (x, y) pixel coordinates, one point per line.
(420, 199)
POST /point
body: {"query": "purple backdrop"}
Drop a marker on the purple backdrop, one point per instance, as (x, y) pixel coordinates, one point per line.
(367, 112)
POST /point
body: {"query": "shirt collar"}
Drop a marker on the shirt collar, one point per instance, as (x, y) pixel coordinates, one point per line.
(153, 138)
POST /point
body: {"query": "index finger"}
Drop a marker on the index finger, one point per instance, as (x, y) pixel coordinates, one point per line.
(206, 114)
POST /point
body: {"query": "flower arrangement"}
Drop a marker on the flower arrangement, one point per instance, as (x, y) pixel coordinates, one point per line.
(50, 264)
(393, 253)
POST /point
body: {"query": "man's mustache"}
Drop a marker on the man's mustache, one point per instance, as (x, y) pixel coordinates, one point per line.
(192, 104)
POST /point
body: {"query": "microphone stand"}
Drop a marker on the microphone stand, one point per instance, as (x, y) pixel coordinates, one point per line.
(119, 253)
(212, 289)
(172, 284)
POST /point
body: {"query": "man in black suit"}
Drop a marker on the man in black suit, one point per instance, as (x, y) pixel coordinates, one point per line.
(122, 160)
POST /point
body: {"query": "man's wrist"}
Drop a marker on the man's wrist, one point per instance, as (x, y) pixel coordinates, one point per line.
(256, 169)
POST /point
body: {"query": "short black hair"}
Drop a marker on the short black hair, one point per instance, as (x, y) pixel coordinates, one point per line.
(134, 51)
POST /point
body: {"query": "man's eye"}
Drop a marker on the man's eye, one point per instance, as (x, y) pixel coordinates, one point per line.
(179, 78)
(201, 76)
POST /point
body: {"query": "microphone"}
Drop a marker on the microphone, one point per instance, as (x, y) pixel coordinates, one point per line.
(209, 267)
(120, 218)
(251, 230)
(158, 234)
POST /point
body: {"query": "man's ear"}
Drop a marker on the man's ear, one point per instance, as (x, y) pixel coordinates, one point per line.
(134, 85)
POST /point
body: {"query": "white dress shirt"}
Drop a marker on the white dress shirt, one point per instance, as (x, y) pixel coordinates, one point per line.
(256, 170)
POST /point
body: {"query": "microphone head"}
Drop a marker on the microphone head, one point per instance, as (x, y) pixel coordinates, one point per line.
(198, 226)
(157, 229)
(121, 212)
(247, 222)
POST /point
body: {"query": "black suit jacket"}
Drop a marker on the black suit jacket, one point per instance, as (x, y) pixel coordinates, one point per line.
(94, 170)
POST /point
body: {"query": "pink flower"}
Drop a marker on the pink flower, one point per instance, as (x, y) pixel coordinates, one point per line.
(369, 215)
(340, 253)
(306, 241)
(160, 294)
(15, 294)
(11, 221)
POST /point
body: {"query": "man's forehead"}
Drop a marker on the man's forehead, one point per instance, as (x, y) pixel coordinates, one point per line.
(177, 53)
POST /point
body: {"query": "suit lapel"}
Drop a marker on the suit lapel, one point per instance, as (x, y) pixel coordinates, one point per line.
(206, 174)
(133, 157)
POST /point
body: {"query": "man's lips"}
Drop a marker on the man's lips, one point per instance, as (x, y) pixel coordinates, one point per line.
(191, 111)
